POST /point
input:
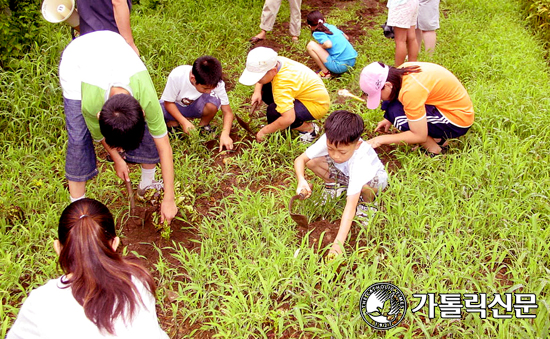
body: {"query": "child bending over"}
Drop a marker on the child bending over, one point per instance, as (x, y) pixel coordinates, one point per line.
(343, 161)
(197, 92)
(332, 52)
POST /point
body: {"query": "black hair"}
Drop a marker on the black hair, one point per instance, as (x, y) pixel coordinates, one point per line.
(207, 71)
(313, 20)
(395, 77)
(121, 122)
(343, 127)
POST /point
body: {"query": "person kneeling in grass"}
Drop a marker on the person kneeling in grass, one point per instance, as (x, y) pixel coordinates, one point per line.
(197, 92)
(109, 97)
(332, 52)
(101, 294)
(423, 100)
(344, 161)
(294, 94)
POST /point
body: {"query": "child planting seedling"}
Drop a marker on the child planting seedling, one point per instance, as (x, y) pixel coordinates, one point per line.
(425, 101)
(109, 97)
(294, 95)
(332, 52)
(344, 162)
(197, 92)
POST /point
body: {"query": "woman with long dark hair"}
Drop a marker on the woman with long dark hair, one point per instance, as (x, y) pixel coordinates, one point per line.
(101, 295)
(423, 100)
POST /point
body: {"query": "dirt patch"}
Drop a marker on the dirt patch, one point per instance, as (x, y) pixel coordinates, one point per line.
(140, 235)
(322, 233)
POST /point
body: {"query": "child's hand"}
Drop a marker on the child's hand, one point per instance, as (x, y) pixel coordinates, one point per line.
(374, 142)
(260, 136)
(383, 126)
(303, 189)
(121, 169)
(256, 98)
(226, 141)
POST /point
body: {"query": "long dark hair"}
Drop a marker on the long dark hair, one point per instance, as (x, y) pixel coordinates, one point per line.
(316, 19)
(100, 279)
(395, 77)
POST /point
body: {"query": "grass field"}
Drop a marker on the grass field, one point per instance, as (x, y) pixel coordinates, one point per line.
(473, 221)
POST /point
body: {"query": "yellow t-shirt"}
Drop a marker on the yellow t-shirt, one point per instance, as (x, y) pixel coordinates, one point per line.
(295, 81)
(437, 86)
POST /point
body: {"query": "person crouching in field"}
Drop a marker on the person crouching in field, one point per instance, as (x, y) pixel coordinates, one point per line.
(109, 97)
(197, 92)
(423, 100)
(344, 161)
(100, 295)
(332, 51)
(295, 95)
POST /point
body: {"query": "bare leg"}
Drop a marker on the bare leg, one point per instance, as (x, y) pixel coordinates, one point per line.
(419, 38)
(412, 45)
(306, 127)
(77, 188)
(400, 45)
(319, 166)
(429, 41)
(148, 166)
(368, 193)
(319, 55)
(208, 114)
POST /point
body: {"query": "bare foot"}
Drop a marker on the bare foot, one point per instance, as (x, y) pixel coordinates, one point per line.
(294, 39)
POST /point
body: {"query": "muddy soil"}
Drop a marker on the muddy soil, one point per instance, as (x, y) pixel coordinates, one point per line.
(141, 237)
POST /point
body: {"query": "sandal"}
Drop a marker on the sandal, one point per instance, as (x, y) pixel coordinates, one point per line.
(255, 39)
(324, 75)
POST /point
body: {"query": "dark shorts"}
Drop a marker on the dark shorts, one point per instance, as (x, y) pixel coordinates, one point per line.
(438, 125)
(302, 113)
(194, 110)
(80, 163)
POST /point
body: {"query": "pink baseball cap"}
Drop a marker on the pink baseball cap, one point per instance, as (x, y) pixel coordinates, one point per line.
(372, 80)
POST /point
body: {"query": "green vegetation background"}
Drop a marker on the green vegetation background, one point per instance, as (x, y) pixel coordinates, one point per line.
(476, 220)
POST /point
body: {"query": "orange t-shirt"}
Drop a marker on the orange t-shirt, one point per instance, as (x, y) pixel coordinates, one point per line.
(437, 86)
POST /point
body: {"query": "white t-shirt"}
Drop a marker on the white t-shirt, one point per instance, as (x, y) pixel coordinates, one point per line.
(93, 63)
(51, 312)
(180, 90)
(360, 168)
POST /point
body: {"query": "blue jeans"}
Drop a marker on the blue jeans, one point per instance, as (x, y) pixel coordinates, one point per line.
(80, 162)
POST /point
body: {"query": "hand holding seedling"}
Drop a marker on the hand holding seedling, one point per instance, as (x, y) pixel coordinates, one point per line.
(168, 210)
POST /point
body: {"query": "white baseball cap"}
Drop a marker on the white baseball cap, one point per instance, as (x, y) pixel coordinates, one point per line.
(258, 62)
